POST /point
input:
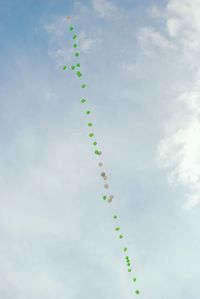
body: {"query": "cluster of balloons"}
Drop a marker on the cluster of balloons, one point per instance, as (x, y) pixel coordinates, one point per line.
(97, 151)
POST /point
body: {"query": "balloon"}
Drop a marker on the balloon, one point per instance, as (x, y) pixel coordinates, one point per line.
(97, 152)
(79, 74)
(137, 292)
(109, 200)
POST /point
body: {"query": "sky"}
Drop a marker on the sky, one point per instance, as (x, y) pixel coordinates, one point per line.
(140, 61)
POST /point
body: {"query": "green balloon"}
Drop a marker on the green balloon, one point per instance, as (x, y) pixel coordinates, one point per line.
(134, 279)
(125, 249)
(83, 100)
(79, 74)
(127, 257)
(91, 134)
(78, 65)
(74, 37)
(71, 28)
(95, 143)
(72, 67)
(137, 292)
(64, 67)
(89, 124)
(77, 54)
(87, 112)
(120, 236)
(117, 228)
(83, 85)
(115, 216)
(129, 270)
(104, 197)
(75, 45)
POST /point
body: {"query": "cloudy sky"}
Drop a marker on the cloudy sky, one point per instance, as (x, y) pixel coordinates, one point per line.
(140, 61)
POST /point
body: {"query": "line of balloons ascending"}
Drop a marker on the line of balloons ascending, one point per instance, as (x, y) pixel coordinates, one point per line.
(107, 198)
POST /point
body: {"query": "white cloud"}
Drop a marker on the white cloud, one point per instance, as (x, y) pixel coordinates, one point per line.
(104, 8)
(173, 26)
(149, 37)
(87, 43)
(57, 28)
(179, 149)
(156, 12)
(187, 13)
(183, 23)
(60, 56)
(182, 149)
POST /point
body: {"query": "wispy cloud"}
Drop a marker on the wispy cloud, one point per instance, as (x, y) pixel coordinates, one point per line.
(148, 37)
(104, 8)
(183, 23)
(87, 43)
(57, 28)
(59, 49)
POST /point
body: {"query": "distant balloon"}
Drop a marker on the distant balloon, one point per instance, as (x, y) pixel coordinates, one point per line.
(109, 200)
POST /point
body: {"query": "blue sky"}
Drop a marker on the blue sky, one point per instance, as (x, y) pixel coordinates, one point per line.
(140, 61)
